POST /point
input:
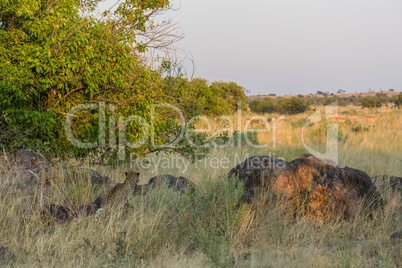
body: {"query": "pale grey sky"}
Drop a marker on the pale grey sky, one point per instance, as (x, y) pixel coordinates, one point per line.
(283, 46)
(293, 46)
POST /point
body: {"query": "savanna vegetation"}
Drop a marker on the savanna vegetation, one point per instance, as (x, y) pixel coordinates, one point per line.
(283, 106)
(56, 55)
(302, 103)
(208, 227)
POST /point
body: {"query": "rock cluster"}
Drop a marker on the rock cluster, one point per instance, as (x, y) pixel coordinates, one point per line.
(312, 185)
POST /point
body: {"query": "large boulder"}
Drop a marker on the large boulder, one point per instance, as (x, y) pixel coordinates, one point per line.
(315, 185)
(326, 187)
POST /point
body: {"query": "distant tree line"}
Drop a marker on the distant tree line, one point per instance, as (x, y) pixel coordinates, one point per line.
(376, 101)
(301, 103)
(281, 105)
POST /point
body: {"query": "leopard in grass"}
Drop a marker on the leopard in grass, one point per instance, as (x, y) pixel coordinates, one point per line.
(120, 193)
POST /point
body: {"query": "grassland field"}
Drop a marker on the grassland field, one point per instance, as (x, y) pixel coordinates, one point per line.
(165, 229)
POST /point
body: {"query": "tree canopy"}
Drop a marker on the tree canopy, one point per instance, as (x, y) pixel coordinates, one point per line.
(55, 55)
(284, 106)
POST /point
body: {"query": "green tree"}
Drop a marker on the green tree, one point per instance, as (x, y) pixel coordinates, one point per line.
(371, 102)
(200, 98)
(383, 98)
(232, 93)
(255, 106)
(292, 106)
(397, 100)
(265, 106)
(341, 101)
(55, 55)
(210, 100)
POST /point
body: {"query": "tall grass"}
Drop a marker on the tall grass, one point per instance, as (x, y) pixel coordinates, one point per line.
(209, 228)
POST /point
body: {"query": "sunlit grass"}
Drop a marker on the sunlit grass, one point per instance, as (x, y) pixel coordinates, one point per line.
(165, 229)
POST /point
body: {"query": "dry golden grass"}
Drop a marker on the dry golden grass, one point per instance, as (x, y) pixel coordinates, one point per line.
(165, 229)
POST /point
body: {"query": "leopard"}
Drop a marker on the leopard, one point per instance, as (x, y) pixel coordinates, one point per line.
(120, 193)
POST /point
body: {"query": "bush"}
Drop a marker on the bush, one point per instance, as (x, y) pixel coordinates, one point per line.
(359, 128)
(238, 139)
(341, 101)
(266, 106)
(292, 106)
(397, 100)
(371, 102)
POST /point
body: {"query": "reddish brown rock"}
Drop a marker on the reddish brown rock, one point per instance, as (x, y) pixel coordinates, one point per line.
(320, 185)
(322, 202)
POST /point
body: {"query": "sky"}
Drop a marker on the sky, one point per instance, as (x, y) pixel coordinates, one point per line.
(293, 46)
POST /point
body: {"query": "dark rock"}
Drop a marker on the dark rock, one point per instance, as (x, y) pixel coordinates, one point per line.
(388, 183)
(28, 178)
(91, 208)
(144, 188)
(172, 182)
(189, 184)
(257, 172)
(397, 236)
(327, 187)
(86, 173)
(57, 212)
(32, 178)
(106, 180)
(28, 160)
(63, 213)
(45, 176)
(362, 183)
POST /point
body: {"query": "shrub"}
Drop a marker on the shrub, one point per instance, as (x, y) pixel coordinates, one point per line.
(292, 106)
(266, 106)
(397, 100)
(357, 128)
(371, 102)
(238, 139)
